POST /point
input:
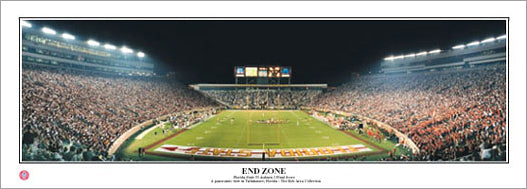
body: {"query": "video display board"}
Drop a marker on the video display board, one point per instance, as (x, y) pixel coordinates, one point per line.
(274, 71)
(262, 72)
(286, 71)
(251, 71)
(239, 71)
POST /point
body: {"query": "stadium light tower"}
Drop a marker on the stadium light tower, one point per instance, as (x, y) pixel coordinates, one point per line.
(26, 24)
(458, 47)
(475, 43)
(92, 43)
(48, 31)
(125, 49)
(109, 46)
(140, 54)
(68, 36)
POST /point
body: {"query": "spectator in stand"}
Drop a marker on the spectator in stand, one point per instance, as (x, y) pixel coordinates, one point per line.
(89, 111)
(448, 114)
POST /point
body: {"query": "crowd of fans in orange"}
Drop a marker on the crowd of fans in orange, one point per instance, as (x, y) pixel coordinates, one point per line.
(450, 115)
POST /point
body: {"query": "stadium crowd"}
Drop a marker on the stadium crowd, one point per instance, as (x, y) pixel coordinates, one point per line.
(264, 98)
(74, 115)
(450, 115)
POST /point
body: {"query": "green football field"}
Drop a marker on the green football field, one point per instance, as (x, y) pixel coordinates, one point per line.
(245, 131)
(253, 129)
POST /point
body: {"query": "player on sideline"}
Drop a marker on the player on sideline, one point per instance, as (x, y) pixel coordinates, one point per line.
(232, 121)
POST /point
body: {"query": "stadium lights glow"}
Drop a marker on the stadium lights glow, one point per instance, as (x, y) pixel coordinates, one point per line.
(434, 51)
(421, 53)
(48, 31)
(458, 47)
(398, 57)
(25, 24)
(473, 44)
(108, 46)
(141, 54)
(93, 43)
(488, 40)
(409, 55)
(389, 58)
(501, 37)
(68, 36)
(125, 49)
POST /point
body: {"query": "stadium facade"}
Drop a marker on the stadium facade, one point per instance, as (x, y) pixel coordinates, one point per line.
(42, 46)
(486, 51)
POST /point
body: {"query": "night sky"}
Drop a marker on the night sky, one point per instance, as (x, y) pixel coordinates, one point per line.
(318, 51)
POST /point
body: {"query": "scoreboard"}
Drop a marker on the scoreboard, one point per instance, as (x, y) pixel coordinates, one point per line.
(263, 71)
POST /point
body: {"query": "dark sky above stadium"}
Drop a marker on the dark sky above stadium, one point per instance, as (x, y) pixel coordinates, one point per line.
(319, 51)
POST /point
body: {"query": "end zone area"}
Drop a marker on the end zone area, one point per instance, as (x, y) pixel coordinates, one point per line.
(255, 135)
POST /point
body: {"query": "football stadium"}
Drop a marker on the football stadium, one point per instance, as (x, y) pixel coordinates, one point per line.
(86, 99)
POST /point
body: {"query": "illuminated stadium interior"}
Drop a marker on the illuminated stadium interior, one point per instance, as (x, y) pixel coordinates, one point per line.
(90, 100)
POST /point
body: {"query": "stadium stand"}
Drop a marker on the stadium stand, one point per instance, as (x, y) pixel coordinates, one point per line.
(266, 98)
(46, 48)
(449, 114)
(67, 112)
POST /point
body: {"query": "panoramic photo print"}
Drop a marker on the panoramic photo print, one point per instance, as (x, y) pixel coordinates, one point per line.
(263, 90)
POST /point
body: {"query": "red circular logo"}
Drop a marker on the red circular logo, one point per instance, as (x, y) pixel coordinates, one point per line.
(24, 175)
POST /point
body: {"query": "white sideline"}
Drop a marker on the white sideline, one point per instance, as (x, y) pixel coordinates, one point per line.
(140, 136)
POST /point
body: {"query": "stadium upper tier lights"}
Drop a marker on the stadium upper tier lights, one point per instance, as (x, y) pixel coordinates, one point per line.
(421, 53)
(458, 47)
(25, 24)
(398, 57)
(140, 54)
(48, 31)
(389, 58)
(409, 55)
(125, 49)
(488, 40)
(434, 51)
(110, 47)
(501, 37)
(68, 36)
(475, 43)
(93, 43)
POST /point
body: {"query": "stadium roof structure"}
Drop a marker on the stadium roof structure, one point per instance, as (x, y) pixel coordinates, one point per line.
(69, 38)
(488, 50)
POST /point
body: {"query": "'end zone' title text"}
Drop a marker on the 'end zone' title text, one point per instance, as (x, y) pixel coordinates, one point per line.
(263, 171)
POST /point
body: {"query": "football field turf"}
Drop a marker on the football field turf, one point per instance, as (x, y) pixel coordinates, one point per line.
(260, 132)
(241, 129)
(233, 132)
